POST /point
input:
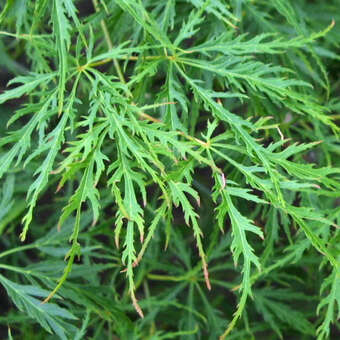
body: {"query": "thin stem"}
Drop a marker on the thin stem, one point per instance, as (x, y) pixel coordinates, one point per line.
(17, 249)
(15, 269)
(167, 277)
(126, 57)
(25, 36)
(110, 46)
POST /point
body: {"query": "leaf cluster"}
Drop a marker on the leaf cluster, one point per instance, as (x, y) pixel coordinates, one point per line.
(172, 168)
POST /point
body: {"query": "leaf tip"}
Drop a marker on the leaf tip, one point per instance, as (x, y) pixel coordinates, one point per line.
(136, 305)
(206, 275)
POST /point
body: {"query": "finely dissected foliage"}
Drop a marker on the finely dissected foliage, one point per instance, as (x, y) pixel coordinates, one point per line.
(173, 159)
